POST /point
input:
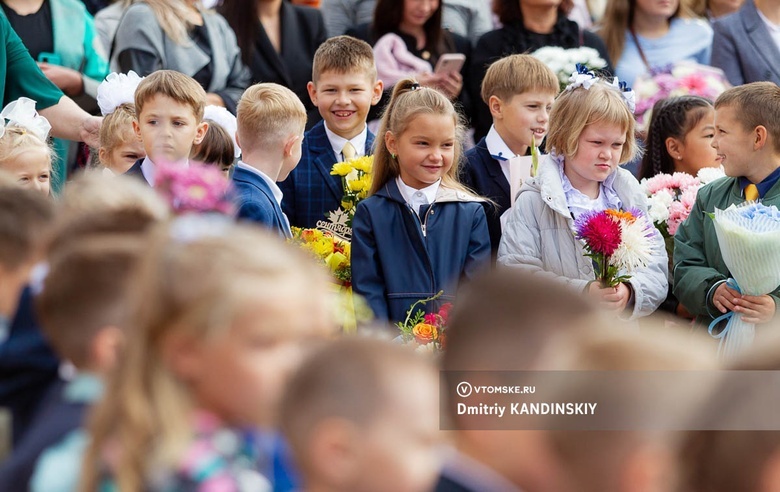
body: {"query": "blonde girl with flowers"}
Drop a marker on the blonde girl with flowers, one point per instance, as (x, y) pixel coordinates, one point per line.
(420, 231)
(591, 134)
(24, 151)
(221, 313)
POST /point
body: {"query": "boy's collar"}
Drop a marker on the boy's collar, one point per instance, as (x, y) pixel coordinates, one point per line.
(337, 141)
(148, 169)
(764, 186)
(496, 146)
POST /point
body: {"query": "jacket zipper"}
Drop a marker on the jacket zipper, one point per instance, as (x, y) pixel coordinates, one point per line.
(424, 227)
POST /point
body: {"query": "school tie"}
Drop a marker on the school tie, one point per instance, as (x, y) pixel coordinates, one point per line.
(751, 192)
(348, 151)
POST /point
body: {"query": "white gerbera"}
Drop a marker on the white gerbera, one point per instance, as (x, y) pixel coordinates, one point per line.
(636, 245)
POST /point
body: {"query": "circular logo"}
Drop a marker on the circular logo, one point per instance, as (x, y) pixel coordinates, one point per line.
(463, 389)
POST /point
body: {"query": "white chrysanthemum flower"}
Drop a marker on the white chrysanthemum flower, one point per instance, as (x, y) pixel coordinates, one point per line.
(657, 210)
(636, 245)
(710, 174)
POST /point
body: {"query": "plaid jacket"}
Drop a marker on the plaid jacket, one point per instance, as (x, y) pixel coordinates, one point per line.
(310, 192)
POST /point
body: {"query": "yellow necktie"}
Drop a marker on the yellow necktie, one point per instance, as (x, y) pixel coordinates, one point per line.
(751, 193)
(348, 151)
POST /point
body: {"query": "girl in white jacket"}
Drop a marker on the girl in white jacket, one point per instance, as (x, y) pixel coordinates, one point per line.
(591, 133)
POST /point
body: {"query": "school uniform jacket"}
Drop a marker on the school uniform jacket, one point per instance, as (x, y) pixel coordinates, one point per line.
(310, 191)
(399, 257)
(256, 202)
(482, 173)
(136, 172)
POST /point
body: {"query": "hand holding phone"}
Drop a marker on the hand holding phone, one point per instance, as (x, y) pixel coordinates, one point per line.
(450, 62)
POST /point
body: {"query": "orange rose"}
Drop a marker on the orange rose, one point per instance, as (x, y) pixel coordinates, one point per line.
(425, 333)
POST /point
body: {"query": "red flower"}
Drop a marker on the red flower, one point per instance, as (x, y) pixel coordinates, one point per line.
(431, 319)
(600, 231)
(444, 312)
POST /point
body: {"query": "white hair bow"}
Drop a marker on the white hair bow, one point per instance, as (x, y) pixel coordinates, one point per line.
(226, 120)
(117, 89)
(629, 96)
(582, 77)
(22, 113)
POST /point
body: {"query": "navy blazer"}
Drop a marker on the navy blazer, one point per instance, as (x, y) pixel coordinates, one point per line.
(483, 174)
(136, 172)
(394, 264)
(743, 47)
(28, 366)
(310, 191)
(256, 202)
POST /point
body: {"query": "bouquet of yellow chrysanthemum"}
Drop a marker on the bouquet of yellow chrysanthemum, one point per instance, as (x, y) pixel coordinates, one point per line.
(356, 180)
(332, 251)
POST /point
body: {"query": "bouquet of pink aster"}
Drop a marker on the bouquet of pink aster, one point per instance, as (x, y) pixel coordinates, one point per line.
(619, 243)
(684, 78)
(670, 198)
(194, 188)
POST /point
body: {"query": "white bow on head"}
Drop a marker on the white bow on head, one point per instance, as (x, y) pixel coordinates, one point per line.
(22, 113)
(226, 120)
(117, 89)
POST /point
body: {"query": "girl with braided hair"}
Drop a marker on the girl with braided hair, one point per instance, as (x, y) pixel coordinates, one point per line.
(679, 137)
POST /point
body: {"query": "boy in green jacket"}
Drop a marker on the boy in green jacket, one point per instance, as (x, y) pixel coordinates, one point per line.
(747, 138)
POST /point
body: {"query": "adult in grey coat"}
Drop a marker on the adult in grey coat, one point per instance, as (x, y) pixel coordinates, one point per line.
(743, 47)
(198, 43)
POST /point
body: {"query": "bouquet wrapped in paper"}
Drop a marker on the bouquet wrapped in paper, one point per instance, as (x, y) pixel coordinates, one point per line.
(749, 240)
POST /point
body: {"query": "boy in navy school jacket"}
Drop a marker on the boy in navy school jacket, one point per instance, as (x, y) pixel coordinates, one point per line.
(519, 91)
(343, 87)
(271, 121)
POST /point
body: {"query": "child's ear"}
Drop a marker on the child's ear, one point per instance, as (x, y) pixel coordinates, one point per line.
(183, 355)
(335, 451)
(137, 131)
(203, 127)
(105, 347)
(496, 105)
(103, 155)
(289, 144)
(379, 86)
(312, 89)
(390, 142)
(760, 136)
(674, 148)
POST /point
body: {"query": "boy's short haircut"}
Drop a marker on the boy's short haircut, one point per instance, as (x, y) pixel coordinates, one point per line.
(344, 54)
(175, 85)
(757, 104)
(24, 217)
(85, 291)
(268, 113)
(348, 379)
(516, 74)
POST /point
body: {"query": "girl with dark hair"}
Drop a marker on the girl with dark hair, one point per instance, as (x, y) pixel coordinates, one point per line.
(527, 26)
(278, 41)
(679, 137)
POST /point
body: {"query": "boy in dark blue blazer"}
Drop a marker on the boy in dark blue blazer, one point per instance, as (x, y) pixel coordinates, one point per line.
(271, 121)
(343, 87)
(519, 90)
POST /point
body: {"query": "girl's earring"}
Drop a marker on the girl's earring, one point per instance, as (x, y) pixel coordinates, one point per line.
(392, 155)
(679, 157)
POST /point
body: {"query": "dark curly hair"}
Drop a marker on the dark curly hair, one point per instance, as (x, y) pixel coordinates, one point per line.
(672, 117)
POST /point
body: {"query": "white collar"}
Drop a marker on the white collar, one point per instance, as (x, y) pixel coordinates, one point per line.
(148, 169)
(498, 149)
(337, 143)
(429, 192)
(277, 193)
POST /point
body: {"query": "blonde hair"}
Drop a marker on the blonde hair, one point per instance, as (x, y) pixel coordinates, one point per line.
(267, 114)
(115, 125)
(216, 148)
(618, 20)
(343, 54)
(516, 74)
(195, 279)
(578, 108)
(756, 104)
(171, 15)
(93, 192)
(181, 88)
(409, 100)
(17, 140)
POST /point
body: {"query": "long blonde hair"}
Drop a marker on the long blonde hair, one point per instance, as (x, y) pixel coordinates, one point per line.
(172, 15)
(195, 278)
(409, 99)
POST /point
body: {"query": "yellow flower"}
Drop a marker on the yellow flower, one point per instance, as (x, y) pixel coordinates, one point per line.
(323, 247)
(364, 164)
(336, 261)
(341, 169)
(425, 333)
(347, 249)
(356, 185)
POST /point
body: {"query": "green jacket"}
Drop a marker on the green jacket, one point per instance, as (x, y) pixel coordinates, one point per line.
(698, 264)
(19, 74)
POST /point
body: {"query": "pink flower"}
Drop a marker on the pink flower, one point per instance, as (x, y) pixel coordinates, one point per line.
(431, 319)
(196, 188)
(444, 312)
(600, 232)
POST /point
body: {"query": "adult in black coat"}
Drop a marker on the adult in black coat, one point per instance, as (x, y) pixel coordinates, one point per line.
(527, 26)
(278, 41)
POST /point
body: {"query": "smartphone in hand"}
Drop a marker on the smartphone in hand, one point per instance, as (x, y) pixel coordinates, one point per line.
(450, 62)
(50, 58)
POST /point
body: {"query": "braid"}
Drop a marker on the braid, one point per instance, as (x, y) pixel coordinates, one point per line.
(672, 117)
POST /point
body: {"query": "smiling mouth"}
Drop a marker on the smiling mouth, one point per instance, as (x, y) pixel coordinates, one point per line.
(343, 114)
